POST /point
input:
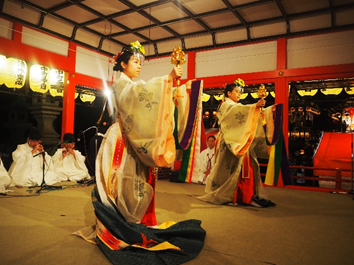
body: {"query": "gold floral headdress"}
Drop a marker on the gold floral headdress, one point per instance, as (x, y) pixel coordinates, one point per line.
(135, 47)
(239, 82)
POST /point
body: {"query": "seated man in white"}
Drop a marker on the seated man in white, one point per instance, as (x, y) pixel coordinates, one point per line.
(69, 164)
(5, 179)
(27, 166)
(207, 160)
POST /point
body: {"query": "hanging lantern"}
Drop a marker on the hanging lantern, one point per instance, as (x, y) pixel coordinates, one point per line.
(15, 73)
(218, 97)
(2, 69)
(348, 90)
(307, 92)
(87, 96)
(205, 97)
(331, 91)
(39, 78)
(56, 83)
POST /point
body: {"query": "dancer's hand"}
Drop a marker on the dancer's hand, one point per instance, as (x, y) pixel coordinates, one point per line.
(261, 103)
(176, 72)
(189, 84)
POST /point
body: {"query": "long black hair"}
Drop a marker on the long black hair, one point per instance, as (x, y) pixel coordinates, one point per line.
(124, 56)
(230, 88)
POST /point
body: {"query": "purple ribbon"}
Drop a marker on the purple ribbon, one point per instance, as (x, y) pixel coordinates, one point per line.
(196, 85)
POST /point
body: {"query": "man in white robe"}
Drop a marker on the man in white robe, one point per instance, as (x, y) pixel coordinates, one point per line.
(207, 160)
(5, 179)
(28, 160)
(69, 164)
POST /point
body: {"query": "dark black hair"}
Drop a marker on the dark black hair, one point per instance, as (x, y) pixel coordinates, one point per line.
(69, 138)
(34, 134)
(124, 56)
(229, 88)
(211, 136)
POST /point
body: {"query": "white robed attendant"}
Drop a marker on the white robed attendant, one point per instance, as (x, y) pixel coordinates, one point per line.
(69, 164)
(207, 160)
(5, 179)
(27, 166)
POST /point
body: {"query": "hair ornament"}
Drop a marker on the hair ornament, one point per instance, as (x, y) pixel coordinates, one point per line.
(113, 60)
(239, 82)
(136, 47)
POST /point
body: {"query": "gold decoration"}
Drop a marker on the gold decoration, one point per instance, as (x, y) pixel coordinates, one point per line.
(262, 93)
(177, 58)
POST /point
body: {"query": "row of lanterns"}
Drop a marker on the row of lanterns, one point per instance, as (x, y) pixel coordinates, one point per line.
(41, 78)
(301, 92)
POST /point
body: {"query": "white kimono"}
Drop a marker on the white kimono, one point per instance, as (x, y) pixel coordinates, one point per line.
(27, 168)
(207, 158)
(141, 138)
(5, 179)
(70, 167)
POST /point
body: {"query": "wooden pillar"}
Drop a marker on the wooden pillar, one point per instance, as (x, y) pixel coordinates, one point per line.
(282, 86)
(68, 116)
(191, 66)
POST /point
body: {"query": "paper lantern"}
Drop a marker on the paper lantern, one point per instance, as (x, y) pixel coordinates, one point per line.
(15, 73)
(2, 69)
(308, 92)
(331, 91)
(39, 78)
(87, 96)
(206, 97)
(56, 83)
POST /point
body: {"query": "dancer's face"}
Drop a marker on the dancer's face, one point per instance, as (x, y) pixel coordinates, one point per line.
(235, 94)
(132, 69)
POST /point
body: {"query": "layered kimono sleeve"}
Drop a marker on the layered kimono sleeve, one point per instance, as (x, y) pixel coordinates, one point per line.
(260, 145)
(145, 114)
(238, 125)
(183, 106)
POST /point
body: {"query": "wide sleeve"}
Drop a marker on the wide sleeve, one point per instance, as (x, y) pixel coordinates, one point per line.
(238, 125)
(22, 163)
(145, 114)
(182, 103)
(57, 158)
(80, 161)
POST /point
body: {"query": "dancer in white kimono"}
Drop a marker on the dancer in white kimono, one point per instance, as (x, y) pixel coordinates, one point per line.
(140, 140)
(69, 164)
(27, 166)
(235, 178)
(207, 157)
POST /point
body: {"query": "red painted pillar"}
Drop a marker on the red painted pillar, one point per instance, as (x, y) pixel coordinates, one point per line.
(69, 94)
(282, 86)
(191, 66)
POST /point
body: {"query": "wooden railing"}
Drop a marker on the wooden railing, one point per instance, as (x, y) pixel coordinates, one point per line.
(334, 172)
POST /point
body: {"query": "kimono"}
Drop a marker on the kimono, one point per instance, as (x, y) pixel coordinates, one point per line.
(207, 158)
(27, 168)
(70, 167)
(241, 139)
(141, 140)
(5, 179)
